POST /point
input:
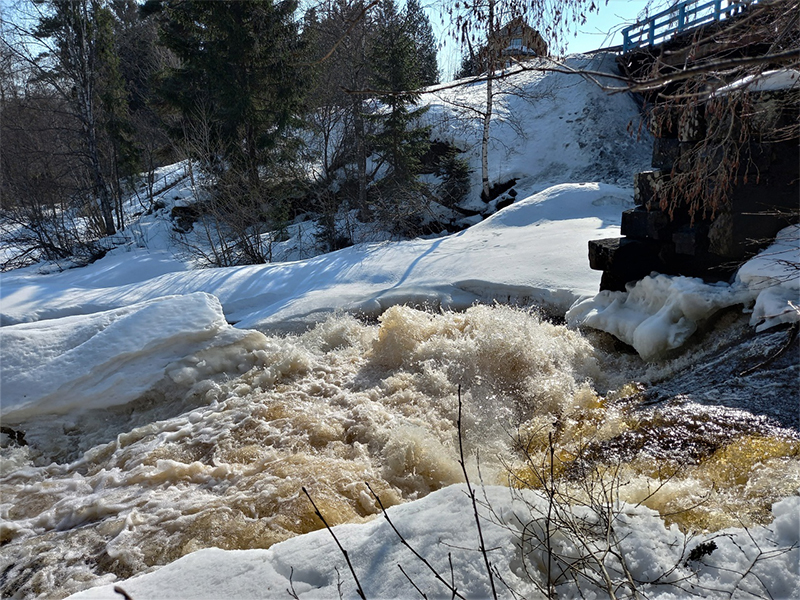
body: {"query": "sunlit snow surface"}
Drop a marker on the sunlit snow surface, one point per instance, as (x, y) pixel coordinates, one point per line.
(517, 253)
(442, 524)
(195, 432)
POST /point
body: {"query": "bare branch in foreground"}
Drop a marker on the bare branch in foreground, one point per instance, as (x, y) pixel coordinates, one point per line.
(472, 497)
(359, 590)
(403, 540)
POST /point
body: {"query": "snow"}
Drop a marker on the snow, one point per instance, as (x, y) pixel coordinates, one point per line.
(548, 127)
(775, 275)
(107, 358)
(768, 81)
(441, 527)
(514, 252)
(660, 312)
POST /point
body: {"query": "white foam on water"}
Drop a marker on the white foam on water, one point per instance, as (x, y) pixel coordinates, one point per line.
(218, 455)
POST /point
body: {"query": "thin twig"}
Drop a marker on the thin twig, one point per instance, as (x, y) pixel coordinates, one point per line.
(290, 590)
(472, 497)
(359, 590)
(122, 592)
(411, 581)
(421, 558)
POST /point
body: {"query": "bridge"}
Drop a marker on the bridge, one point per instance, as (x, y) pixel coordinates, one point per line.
(679, 18)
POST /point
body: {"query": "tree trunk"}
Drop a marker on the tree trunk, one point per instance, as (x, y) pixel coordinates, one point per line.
(487, 117)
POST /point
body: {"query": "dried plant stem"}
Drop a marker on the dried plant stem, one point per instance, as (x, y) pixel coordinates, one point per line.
(359, 590)
(472, 498)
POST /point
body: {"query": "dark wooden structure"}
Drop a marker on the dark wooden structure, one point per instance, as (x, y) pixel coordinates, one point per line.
(669, 237)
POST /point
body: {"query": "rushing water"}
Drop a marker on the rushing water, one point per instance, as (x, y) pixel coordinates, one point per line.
(117, 492)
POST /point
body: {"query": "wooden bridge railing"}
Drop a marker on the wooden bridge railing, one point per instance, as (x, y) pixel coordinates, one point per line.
(678, 18)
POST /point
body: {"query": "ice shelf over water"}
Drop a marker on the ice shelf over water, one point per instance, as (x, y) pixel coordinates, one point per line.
(660, 312)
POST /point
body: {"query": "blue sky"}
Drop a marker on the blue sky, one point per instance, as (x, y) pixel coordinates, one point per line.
(611, 17)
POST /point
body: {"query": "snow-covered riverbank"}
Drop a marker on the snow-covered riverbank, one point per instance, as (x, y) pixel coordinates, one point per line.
(155, 414)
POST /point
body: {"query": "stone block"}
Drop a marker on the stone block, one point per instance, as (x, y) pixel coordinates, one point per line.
(691, 125)
(623, 260)
(647, 186)
(690, 240)
(666, 152)
(737, 235)
(663, 121)
(640, 223)
(601, 252)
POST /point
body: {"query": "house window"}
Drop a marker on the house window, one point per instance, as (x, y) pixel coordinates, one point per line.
(516, 43)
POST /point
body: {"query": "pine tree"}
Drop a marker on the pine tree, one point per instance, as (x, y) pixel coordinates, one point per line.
(424, 41)
(401, 141)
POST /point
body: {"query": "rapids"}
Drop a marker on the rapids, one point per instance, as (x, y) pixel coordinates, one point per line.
(111, 493)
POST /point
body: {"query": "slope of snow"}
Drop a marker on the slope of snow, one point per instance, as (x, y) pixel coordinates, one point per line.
(534, 250)
(548, 127)
(441, 526)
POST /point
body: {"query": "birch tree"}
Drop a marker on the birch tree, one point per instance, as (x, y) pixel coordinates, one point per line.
(475, 24)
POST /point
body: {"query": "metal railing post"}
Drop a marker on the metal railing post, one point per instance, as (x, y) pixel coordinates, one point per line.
(681, 16)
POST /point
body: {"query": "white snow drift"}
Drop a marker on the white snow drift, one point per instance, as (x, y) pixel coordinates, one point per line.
(441, 526)
(111, 357)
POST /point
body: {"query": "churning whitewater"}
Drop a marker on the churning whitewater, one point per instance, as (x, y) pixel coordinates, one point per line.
(107, 494)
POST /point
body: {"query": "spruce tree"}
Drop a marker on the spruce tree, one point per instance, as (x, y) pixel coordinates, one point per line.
(238, 67)
(114, 112)
(424, 42)
(401, 141)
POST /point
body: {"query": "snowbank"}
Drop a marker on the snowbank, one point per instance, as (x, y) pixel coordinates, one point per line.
(660, 312)
(548, 127)
(442, 525)
(775, 275)
(533, 251)
(111, 357)
(778, 79)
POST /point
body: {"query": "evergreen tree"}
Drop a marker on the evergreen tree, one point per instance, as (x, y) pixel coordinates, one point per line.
(238, 70)
(114, 114)
(401, 141)
(343, 41)
(140, 59)
(424, 42)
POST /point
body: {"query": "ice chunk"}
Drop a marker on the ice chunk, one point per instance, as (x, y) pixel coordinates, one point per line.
(107, 358)
(658, 313)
